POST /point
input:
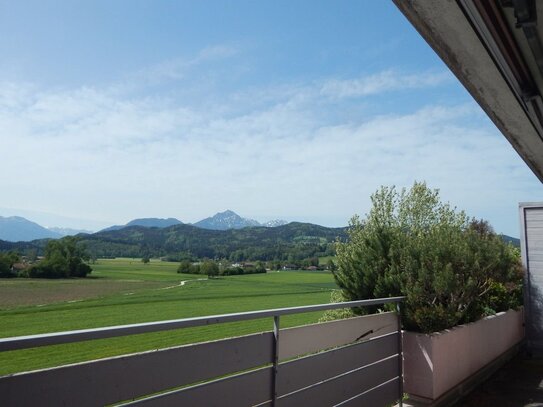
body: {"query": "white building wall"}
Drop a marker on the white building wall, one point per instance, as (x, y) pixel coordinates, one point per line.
(531, 217)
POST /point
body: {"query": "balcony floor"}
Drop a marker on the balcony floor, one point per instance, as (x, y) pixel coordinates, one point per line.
(519, 383)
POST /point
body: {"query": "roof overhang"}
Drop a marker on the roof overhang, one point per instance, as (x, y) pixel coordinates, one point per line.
(494, 49)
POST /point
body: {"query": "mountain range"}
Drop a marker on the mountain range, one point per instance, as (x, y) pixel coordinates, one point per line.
(16, 228)
(224, 235)
(231, 220)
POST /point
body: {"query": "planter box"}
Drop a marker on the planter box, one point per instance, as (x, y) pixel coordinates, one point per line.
(436, 363)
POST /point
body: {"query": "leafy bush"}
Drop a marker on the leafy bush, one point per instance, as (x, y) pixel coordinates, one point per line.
(234, 271)
(333, 314)
(451, 268)
(186, 267)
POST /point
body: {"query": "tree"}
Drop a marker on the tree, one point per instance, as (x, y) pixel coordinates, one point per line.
(6, 262)
(414, 245)
(63, 258)
(210, 268)
(185, 267)
(260, 268)
(145, 260)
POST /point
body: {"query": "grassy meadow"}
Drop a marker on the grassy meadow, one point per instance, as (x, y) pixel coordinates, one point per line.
(126, 291)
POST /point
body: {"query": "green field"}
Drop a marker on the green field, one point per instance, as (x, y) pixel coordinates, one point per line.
(125, 291)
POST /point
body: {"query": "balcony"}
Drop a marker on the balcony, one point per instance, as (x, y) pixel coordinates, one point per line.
(355, 361)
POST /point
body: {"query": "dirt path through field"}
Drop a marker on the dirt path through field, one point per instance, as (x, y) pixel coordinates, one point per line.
(182, 283)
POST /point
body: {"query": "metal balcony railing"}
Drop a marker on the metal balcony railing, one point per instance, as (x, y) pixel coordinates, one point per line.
(354, 361)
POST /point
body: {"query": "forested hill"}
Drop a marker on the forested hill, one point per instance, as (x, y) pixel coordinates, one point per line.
(294, 241)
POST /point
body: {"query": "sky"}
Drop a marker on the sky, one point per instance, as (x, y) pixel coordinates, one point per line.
(297, 110)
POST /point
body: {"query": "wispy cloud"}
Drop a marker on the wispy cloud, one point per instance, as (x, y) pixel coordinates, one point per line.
(179, 68)
(381, 82)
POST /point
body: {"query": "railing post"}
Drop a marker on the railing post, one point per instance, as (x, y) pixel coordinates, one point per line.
(275, 358)
(400, 355)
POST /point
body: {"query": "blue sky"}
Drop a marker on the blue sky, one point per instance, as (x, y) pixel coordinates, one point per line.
(287, 109)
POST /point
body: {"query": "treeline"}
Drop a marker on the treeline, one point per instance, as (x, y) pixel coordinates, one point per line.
(271, 264)
(64, 258)
(212, 268)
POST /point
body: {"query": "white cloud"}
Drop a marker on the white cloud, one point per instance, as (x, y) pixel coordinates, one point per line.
(96, 154)
(381, 82)
(179, 68)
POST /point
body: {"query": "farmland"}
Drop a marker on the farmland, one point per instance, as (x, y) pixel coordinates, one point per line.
(125, 291)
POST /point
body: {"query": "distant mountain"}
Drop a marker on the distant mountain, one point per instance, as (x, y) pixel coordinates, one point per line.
(18, 229)
(146, 222)
(513, 240)
(274, 223)
(154, 222)
(226, 220)
(220, 221)
(68, 231)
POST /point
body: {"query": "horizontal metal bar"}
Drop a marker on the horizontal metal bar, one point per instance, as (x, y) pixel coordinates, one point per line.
(31, 341)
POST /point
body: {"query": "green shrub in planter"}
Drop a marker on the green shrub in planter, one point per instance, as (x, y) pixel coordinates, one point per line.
(451, 268)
